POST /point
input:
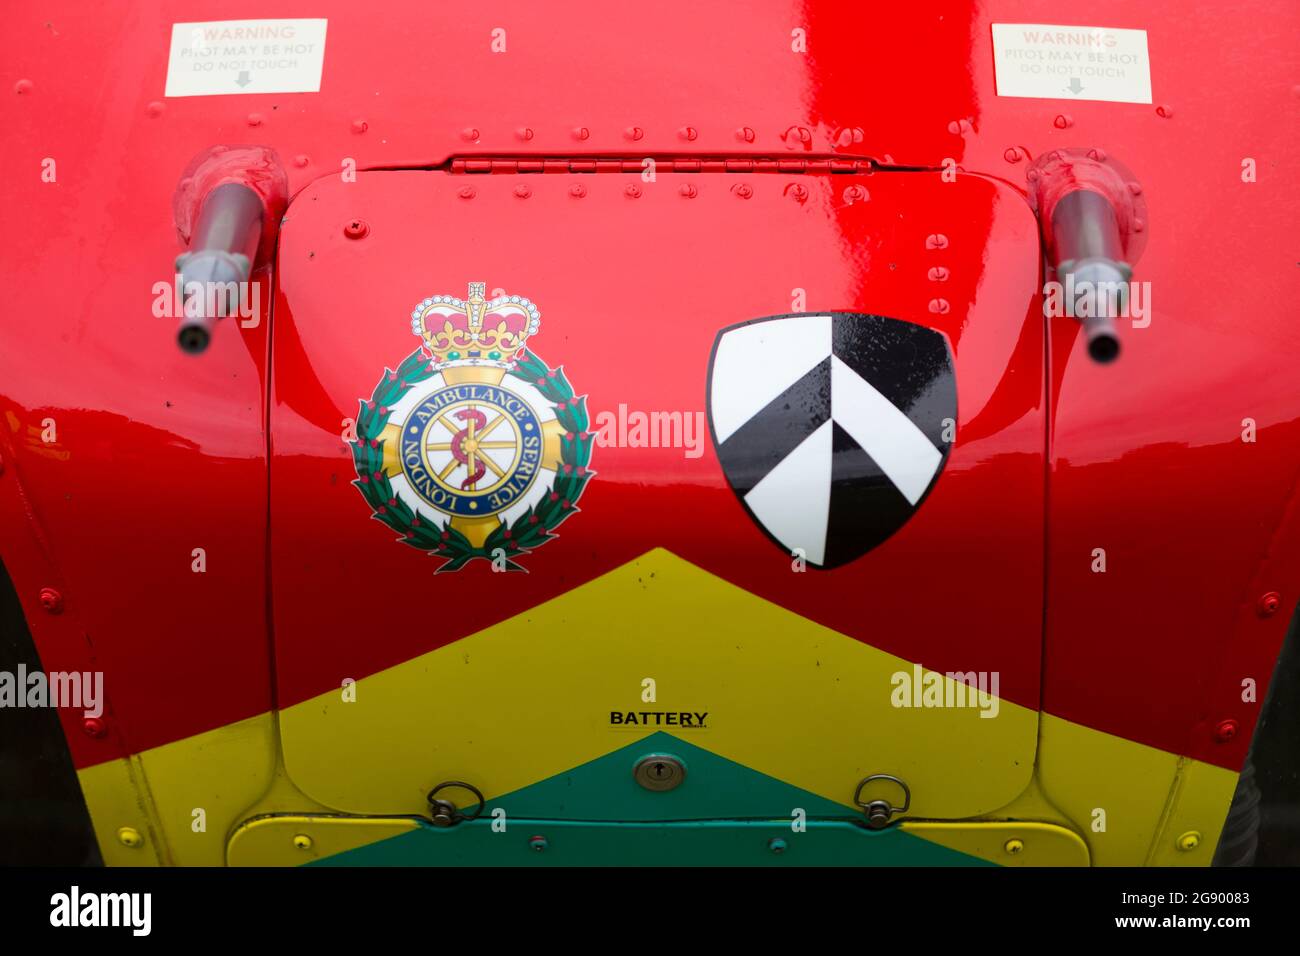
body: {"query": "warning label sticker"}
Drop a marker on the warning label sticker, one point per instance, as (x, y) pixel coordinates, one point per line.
(246, 56)
(1071, 63)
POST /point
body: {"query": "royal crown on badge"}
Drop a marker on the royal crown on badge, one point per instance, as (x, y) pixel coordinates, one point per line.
(474, 331)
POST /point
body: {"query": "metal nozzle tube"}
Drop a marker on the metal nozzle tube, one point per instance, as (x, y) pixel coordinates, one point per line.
(1089, 262)
(222, 250)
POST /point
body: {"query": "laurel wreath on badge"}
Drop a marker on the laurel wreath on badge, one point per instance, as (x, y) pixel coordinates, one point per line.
(533, 527)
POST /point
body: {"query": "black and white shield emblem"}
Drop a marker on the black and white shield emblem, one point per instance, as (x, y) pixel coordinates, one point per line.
(831, 428)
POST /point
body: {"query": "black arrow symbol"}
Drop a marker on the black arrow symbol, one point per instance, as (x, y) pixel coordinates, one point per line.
(1076, 85)
(243, 79)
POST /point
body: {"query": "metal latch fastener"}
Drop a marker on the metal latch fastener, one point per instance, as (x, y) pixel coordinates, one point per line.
(878, 812)
(445, 813)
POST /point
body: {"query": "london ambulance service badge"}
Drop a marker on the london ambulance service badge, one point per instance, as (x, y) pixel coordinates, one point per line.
(473, 447)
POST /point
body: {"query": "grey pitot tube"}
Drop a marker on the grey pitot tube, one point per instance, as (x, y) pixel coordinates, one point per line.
(1090, 265)
(214, 272)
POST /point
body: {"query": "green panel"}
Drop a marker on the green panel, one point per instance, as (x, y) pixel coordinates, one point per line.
(701, 843)
(722, 814)
(715, 788)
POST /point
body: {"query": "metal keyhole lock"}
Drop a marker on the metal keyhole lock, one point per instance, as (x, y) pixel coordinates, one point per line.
(444, 813)
(659, 772)
(879, 812)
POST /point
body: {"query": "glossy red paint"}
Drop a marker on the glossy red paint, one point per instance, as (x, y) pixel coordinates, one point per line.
(157, 453)
(632, 293)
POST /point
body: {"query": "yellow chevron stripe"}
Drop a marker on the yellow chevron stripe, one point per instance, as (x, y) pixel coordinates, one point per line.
(1010, 844)
(530, 698)
(1130, 801)
(278, 840)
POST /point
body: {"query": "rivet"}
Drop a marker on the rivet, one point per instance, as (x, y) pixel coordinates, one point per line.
(466, 192)
(94, 727)
(155, 109)
(1189, 840)
(1013, 846)
(356, 229)
(799, 192)
(301, 160)
(577, 190)
(854, 194)
(1063, 121)
(1225, 731)
(23, 87)
(581, 133)
(1269, 602)
(745, 134)
(360, 126)
(538, 843)
(1031, 175)
(938, 274)
(634, 132)
(1099, 155)
(632, 191)
(776, 845)
(936, 241)
(523, 192)
(798, 134)
(1135, 188)
(688, 133)
(129, 836)
(1164, 111)
(255, 119)
(689, 191)
(302, 841)
(524, 133)
(957, 127)
(51, 600)
(939, 306)
(1138, 225)
(743, 190)
(469, 133)
(1012, 155)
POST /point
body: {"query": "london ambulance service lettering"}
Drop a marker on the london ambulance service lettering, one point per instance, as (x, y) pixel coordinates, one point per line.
(473, 448)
